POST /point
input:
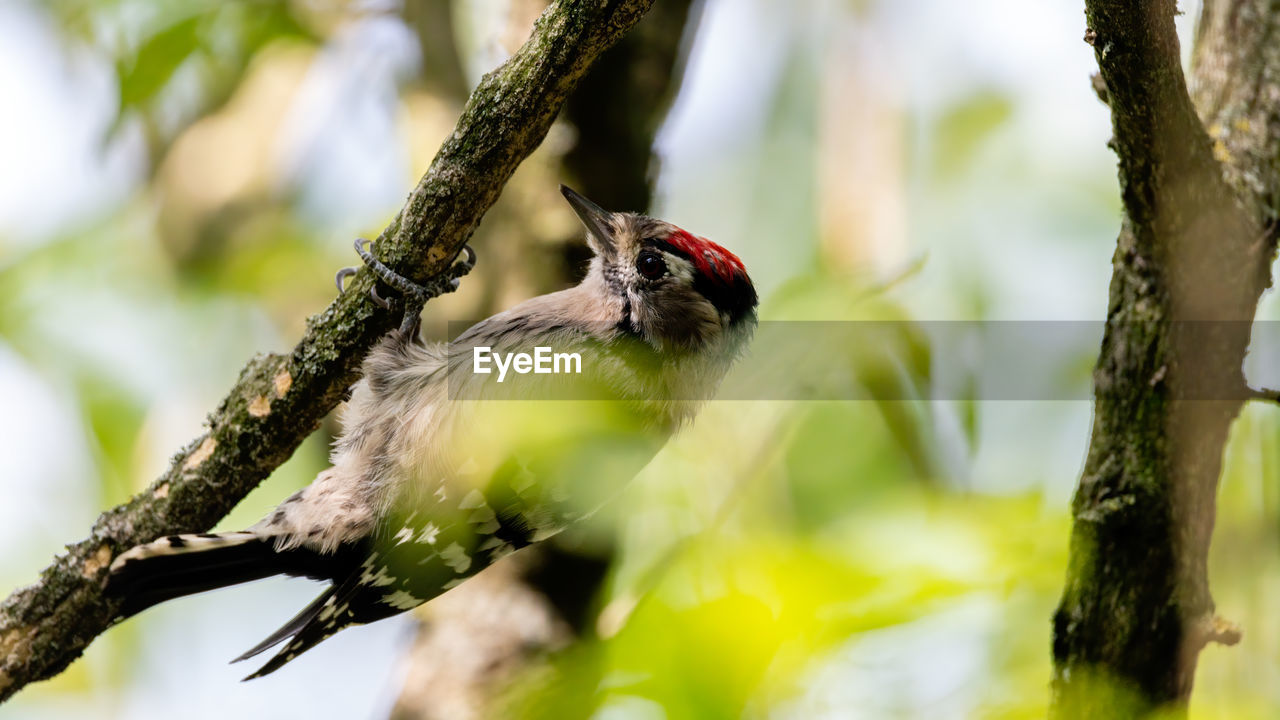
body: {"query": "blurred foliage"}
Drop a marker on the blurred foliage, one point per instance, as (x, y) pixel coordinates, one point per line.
(216, 40)
(747, 612)
(176, 61)
(963, 128)
(782, 559)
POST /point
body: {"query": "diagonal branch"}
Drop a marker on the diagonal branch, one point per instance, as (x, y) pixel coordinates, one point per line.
(1192, 259)
(280, 399)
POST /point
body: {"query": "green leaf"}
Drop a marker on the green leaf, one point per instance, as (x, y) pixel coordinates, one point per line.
(964, 127)
(144, 75)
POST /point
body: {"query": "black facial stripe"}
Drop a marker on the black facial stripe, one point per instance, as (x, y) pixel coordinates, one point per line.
(625, 324)
(737, 299)
(666, 247)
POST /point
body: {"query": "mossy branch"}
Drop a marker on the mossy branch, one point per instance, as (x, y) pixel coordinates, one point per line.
(280, 399)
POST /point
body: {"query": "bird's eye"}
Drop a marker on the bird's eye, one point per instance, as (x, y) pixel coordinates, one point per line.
(651, 266)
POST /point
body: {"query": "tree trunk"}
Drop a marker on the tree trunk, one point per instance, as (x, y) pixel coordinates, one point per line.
(1192, 259)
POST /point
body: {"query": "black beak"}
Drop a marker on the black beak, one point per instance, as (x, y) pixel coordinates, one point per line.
(594, 217)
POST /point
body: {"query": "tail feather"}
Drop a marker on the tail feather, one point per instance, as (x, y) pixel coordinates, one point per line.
(342, 605)
(325, 616)
(180, 565)
(290, 628)
(305, 638)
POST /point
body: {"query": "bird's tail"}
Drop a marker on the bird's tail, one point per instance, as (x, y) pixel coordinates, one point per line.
(179, 565)
(318, 621)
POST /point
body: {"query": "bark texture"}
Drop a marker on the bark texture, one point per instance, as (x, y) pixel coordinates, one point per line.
(280, 399)
(1192, 259)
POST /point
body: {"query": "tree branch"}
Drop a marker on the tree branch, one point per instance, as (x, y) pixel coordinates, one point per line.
(1191, 262)
(280, 399)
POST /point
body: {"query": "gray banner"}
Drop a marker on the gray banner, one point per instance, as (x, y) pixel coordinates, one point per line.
(874, 360)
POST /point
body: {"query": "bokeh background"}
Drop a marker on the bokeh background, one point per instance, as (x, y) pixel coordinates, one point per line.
(179, 180)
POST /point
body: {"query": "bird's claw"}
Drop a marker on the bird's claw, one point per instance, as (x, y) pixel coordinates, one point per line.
(382, 302)
(414, 295)
(342, 276)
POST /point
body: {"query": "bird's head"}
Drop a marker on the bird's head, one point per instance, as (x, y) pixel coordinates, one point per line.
(674, 290)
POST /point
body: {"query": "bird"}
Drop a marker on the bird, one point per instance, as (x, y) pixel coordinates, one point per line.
(442, 469)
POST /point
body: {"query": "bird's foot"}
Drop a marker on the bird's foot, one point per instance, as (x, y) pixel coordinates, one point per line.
(413, 296)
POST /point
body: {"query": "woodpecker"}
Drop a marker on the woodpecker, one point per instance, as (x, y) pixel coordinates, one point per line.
(441, 470)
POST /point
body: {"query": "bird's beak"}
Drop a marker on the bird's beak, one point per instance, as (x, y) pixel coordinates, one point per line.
(594, 217)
